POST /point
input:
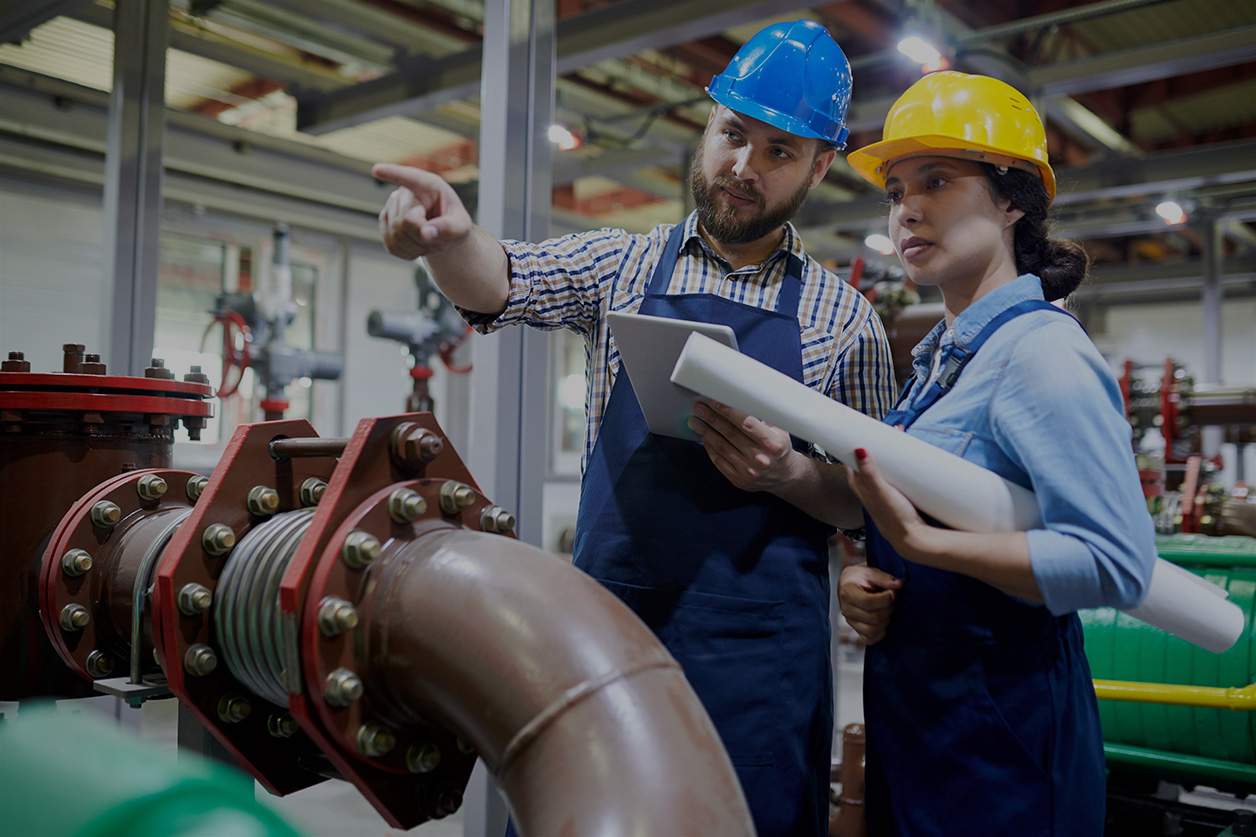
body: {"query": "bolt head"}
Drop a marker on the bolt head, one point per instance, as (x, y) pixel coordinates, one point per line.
(75, 563)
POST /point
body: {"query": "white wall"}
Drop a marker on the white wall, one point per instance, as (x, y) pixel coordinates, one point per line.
(1149, 334)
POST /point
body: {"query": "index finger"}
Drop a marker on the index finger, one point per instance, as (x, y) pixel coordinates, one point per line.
(409, 177)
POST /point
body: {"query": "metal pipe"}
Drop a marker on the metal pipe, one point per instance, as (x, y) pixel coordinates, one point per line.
(1194, 765)
(561, 702)
(1222, 697)
(309, 446)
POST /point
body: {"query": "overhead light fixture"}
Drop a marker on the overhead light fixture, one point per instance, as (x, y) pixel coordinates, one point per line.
(880, 243)
(924, 53)
(1172, 213)
(564, 137)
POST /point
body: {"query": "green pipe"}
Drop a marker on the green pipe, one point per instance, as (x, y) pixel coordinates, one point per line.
(1228, 551)
(79, 776)
(1195, 765)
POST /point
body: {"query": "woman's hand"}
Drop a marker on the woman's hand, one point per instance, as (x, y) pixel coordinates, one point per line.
(866, 596)
(896, 518)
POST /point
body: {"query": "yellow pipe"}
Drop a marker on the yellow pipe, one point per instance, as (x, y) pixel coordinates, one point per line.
(1237, 698)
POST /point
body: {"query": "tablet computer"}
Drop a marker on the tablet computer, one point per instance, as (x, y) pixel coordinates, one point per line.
(648, 349)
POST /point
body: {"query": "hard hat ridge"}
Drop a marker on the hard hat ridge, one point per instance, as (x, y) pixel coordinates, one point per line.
(793, 76)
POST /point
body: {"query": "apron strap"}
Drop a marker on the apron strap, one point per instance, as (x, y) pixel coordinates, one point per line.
(957, 358)
(791, 285)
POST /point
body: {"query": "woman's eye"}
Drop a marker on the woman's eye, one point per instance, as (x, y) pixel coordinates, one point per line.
(935, 182)
(892, 196)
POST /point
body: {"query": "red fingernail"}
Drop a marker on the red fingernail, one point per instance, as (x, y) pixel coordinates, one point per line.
(861, 454)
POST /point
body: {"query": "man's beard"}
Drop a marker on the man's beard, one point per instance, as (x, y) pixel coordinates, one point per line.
(720, 220)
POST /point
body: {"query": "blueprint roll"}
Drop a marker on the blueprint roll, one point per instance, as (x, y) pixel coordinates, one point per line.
(956, 492)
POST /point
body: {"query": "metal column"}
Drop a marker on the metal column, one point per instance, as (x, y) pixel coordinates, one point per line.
(1211, 298)
(508, 394)
(133, 171)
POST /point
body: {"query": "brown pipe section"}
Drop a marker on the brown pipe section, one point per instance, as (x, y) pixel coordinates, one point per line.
(585, 719)
(851, 819)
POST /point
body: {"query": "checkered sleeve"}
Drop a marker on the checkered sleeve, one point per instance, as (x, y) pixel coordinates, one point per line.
(864, 376)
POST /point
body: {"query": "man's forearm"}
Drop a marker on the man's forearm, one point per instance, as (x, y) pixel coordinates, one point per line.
(474, 274)
(820, 489)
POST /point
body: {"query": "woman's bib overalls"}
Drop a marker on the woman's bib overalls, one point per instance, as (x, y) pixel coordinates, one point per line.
(980, 712)
(734, 583)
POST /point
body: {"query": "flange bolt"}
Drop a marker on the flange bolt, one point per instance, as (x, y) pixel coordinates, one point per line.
(76, 562)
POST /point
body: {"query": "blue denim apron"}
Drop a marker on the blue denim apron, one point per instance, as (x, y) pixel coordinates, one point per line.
(980, 711)
(734, 583)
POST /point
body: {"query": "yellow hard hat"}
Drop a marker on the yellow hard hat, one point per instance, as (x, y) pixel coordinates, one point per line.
(954, 114)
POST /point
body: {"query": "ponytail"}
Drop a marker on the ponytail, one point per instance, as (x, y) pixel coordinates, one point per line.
(1060, 264)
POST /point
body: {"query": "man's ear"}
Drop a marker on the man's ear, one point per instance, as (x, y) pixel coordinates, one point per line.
(821, 167)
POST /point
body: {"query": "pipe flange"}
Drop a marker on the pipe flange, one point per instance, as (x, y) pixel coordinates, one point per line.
(94, 567)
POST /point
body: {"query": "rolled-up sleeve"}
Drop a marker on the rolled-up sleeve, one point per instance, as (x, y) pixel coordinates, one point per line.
(559, 283)
(1058, 414)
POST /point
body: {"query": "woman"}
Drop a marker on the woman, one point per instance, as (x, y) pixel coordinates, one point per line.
(980, 711)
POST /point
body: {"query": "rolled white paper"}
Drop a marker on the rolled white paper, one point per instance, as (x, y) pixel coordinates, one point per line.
(959, 493)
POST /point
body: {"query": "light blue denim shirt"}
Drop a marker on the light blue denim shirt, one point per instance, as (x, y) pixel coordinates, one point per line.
(1040, 407)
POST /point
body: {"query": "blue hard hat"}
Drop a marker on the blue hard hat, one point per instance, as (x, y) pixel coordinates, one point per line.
(793, 76)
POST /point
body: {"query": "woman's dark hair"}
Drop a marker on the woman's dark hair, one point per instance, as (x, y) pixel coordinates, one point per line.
(1059, 263)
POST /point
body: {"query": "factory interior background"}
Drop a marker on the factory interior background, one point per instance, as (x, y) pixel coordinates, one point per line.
(269, 114)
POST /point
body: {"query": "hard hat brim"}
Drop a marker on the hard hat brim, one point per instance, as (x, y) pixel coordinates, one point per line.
(873, 162)
(775, 118)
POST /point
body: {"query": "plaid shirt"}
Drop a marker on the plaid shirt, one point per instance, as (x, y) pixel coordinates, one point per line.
(573, 281)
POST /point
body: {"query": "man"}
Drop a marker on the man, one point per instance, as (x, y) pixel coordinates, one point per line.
(720, 547)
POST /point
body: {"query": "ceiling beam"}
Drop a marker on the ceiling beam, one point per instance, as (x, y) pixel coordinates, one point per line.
(614, 31)
(1148, 63)
(19, 18)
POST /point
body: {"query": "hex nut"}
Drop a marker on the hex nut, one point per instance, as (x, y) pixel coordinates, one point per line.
(219, 539)
(342, 688)
(456, 496)
(496, 519)
(194, 599)
(200, 660)
(106, 514)
(75, 563)
(374, 740)
(151, 487)
(335, 616)
(99, 664)
(414, 444)
(196, 485)
(422, 757)
(360, 549)
(312, 490)
(406, 505)
(263, 501)
(75, 617)
(233, 708)
(282, 725)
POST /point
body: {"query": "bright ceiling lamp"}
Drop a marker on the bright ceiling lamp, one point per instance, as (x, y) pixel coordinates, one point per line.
(924, 53)
(1172, 212)
(880, 243)
(564, 137)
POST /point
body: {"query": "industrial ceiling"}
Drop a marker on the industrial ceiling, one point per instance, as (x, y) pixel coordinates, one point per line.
(1144, 100)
